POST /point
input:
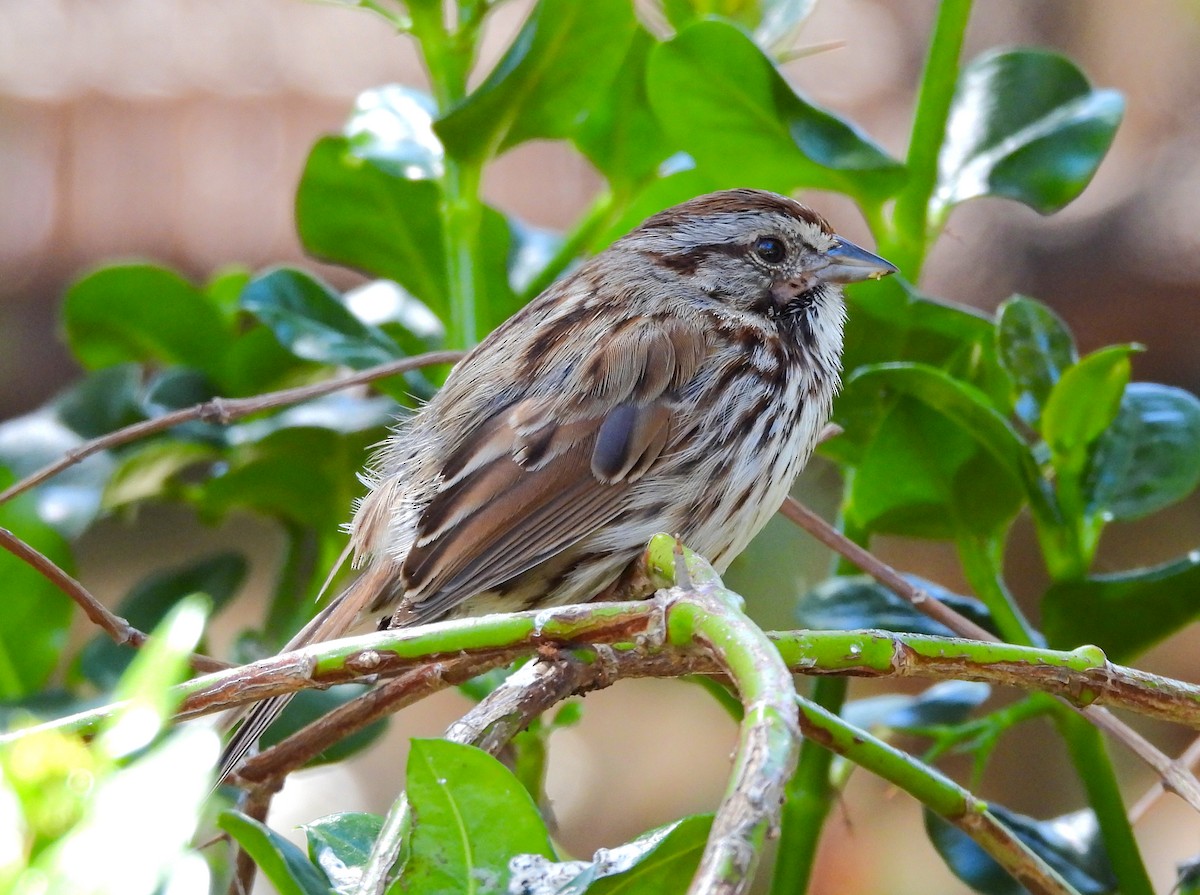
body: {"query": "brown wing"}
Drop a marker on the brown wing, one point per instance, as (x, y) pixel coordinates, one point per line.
(547, 471)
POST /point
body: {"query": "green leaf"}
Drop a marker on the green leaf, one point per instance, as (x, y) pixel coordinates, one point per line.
(354, 212)
(1035, 347)
(34, 614)
(457, 793)
(1149, 457)
(846, 603)
(1024, 125)
(559, 65)
(310, 320)
(889, 321)
(948, 702)
(1082, 404)
(340, 845)
(1071, 844)
(303, 475)
(720, 98)
(102, 402)
(218, 577)
(935, 458)
(140, 312)
(1126, 613)
(660, 862)
(621, 136)
(150, 472)
(281, 862)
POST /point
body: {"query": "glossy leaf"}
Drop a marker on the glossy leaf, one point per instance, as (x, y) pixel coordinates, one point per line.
(303, 475)
(340, 845)
(1082, 405)
(948, 702)
(1035, 347)
(310, 320)
(392, 126)
(102, 401)
(1071, 844)
(353, 212)
(936, 458)
(743, 109)
(1025, 125)
(34, 614)
(889, 321)
(281, 862)
(1124, 614)
(140, 312)
(218, 577)
(660, 862)
(152, 471)
(621, 136)
(559, 65)
(456, 794)
(847, 603)
(1149, 457)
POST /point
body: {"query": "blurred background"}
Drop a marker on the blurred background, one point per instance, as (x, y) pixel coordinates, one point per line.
(175, 130)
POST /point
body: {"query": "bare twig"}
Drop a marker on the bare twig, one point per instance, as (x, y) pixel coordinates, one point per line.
(122, 633)
(1175, 776)
(224, 411)
(795, 511)
(1188, 758)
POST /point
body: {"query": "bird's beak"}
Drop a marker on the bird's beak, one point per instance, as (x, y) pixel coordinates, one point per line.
(847, 263)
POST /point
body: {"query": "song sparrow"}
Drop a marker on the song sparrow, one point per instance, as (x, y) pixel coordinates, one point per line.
(676, 382)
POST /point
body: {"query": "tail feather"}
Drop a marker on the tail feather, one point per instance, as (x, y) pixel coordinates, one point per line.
(330, 623)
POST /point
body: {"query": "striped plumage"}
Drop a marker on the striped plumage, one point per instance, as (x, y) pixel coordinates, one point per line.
(675, 382)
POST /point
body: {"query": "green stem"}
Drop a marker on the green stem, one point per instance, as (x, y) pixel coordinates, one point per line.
(910, 234)
(939, 793)
(1095, 770)
(810, 795)
(448, 58)
(981, 563)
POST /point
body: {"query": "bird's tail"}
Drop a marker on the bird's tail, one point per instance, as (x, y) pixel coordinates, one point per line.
(330, 623)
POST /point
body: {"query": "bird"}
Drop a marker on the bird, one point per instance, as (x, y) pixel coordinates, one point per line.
(675, 382)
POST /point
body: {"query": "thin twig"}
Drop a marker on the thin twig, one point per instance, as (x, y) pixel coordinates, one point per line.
(225, 411)
(1188, 758)
(795, 511)
(1175, 776)
(122, 633)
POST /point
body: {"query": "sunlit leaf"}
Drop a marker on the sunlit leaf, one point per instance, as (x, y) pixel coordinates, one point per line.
(1126, 613)
(1026, 125)
(283, 863)
(743, 109)
(1071, 844)
(311, 321)
(140, 312)
(1035, 347)
(392, 126)
(1082, 404)
(1149, 457)
(340, 845)
(352, 211)
(456, 794)
(559, 65)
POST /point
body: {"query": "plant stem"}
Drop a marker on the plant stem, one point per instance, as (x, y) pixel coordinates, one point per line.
(1095, 770)
(809, 798)
(981, 563)
(910, 234)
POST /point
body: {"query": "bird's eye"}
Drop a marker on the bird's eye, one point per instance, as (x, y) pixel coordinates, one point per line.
(770, 249)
